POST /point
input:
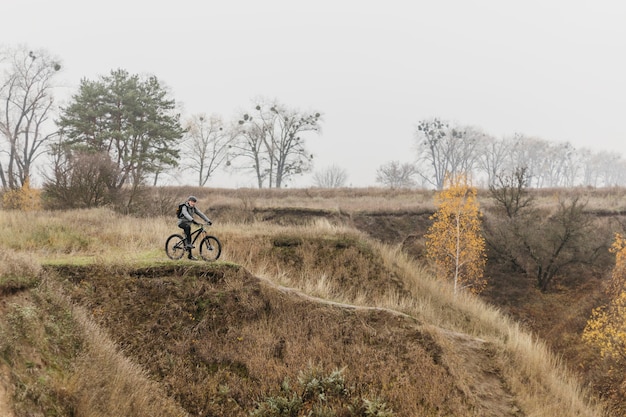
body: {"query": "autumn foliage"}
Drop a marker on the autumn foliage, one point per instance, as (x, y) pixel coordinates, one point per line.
(24, 198)
(606, 329)
(454, 242)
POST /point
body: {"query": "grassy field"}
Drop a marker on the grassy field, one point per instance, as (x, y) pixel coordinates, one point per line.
(96, 320)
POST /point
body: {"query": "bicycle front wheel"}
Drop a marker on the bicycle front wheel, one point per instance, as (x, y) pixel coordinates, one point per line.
(175, 247)
(210, 248)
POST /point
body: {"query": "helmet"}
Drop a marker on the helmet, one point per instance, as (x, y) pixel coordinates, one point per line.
(192, 198)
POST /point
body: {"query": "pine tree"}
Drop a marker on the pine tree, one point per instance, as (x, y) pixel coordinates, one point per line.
(454, 242)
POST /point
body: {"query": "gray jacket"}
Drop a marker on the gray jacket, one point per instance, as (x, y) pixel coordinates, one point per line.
(187, 212)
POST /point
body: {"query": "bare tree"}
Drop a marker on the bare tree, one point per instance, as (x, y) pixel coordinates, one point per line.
(432, 149)
(466, 144)
(27, 105)
(572, 167)
(610, 167)
(332, 177)
(590, 161)
(79, 179)
(445, 150)
(540, 241)
(206, 145)
(555, 164)
(510, 192)
(601, 169)
(271, 141)
(560, 239)
(529, 152)
(394, 174)
(493, 157)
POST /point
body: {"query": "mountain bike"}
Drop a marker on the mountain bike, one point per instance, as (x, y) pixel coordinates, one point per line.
(210, 247)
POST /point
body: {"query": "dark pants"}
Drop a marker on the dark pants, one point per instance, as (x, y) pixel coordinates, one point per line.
(186, 226)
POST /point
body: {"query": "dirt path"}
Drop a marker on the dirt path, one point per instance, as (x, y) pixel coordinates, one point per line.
(5, 397)
(470, 359)
(6, 410)
(474, 362)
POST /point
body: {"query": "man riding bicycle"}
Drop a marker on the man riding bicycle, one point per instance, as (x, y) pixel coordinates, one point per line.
(185, 220)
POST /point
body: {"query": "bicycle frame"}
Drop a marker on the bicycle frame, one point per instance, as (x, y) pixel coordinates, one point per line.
(200, 231)
(209, 246)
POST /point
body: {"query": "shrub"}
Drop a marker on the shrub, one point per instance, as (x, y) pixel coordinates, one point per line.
(25, 198)
(320, 395)
(81, 180)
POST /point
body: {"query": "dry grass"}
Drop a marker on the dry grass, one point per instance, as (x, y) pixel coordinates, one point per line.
(340, 199)
(17, 271)
(62, 364)
(106, 383)
(523, 358)
(351, 200)
(320, 259)
(83, 235)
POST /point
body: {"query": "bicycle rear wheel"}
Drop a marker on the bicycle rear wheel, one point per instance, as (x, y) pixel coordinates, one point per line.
(175, 247)
(210, 248)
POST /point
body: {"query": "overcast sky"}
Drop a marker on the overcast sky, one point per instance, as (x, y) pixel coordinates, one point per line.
(551, 69)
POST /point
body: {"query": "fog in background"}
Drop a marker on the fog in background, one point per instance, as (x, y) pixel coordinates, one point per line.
(551, 69)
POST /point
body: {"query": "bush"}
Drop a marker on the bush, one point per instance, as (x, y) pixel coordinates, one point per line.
(25, 198)
(81, 180)
(320, 395)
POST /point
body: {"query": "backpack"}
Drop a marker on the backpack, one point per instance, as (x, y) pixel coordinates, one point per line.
(179, 210)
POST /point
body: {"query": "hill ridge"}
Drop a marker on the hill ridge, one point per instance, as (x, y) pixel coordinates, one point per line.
(487, 393)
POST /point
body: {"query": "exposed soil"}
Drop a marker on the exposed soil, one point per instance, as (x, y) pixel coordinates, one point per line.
(5, 408)
(5, 391)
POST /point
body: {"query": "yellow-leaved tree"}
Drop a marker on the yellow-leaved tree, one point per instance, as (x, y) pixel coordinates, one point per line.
(606, 328)
(24, 198)
(454, 242)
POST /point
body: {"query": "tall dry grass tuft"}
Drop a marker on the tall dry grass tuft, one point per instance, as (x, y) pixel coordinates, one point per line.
(18, 271)
(540, 381)
(62, 364)
(106, 383)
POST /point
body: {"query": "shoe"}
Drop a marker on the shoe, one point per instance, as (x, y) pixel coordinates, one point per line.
(189, 246)
(192, 258)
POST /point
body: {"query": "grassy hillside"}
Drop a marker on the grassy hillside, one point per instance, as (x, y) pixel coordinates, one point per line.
(303, 310)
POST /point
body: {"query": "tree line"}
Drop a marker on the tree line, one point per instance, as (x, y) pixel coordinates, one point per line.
(444, 148)
(123, 131)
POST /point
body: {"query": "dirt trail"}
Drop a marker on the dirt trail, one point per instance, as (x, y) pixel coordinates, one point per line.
(473, 361)
(470, 359)
(5, 397)
(5, 408)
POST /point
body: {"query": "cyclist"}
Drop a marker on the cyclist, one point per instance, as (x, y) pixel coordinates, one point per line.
(185, 219)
